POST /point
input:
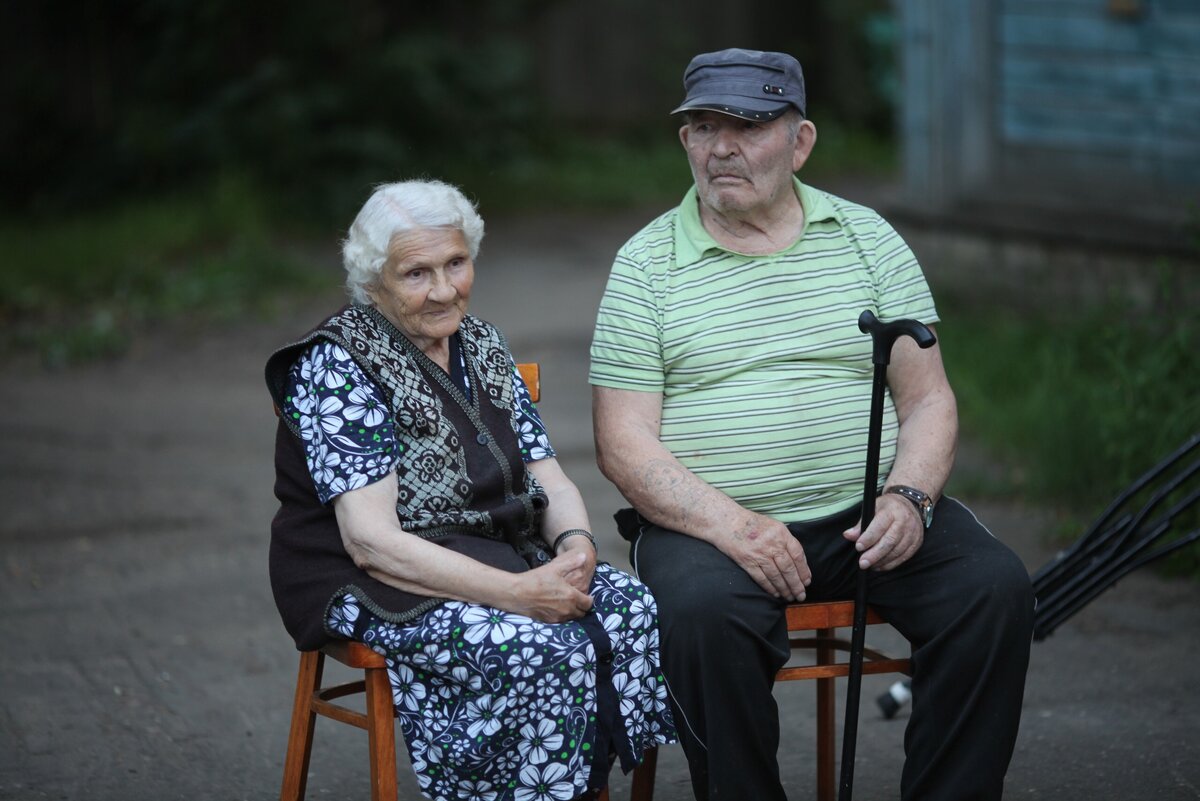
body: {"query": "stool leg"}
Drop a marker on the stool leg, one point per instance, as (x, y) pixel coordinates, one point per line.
(643, 777)
(300, 736)
(381, 734)
(826, 723)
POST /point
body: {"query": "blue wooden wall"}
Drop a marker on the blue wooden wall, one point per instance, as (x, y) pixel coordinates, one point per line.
(1053, 105)
(1081, 88)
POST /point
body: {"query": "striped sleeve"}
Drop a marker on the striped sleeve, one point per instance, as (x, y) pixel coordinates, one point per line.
(900, 283)
(626, 350)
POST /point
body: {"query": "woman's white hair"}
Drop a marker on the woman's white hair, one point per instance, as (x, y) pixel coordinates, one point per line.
(398, 208)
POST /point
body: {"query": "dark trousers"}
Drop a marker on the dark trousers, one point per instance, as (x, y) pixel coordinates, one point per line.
(964, 603)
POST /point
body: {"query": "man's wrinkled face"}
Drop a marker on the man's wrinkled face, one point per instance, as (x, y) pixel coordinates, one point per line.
(740, 166)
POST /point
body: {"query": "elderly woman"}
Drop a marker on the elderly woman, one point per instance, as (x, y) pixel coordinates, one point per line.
(422, 512)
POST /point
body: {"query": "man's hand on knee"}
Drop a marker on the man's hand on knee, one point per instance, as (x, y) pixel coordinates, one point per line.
(770, 555)
(895, 534)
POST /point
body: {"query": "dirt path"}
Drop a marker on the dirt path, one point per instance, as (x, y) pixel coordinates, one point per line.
(143, 658)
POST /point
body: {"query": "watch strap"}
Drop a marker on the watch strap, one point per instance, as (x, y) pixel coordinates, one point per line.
(919, 499)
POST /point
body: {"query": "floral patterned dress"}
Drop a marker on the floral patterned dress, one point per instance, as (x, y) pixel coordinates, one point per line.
(493, 705)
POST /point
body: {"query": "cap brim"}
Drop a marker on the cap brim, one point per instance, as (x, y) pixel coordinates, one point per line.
(747, 108)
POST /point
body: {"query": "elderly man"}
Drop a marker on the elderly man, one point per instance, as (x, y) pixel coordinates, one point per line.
(731, 391)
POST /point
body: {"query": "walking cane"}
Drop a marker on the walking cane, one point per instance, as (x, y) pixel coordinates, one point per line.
(883, 336)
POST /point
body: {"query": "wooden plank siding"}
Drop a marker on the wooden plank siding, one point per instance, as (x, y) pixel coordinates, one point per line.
(1083, 101)
(1089, 94)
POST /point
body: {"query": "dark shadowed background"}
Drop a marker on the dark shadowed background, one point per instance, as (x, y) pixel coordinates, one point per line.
(174, 180)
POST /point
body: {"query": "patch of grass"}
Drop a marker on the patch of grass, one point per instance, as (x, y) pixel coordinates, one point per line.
(82, 288)
(1077, 406)
(1084, 404)
(649, 169)
(574, 174)
(841, 151)
(79, 289)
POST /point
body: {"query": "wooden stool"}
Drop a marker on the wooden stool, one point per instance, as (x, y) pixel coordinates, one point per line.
(312, 699)
(823, 619)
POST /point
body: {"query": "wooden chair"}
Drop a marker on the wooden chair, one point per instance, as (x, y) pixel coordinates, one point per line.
(312, 699)
(823, 620)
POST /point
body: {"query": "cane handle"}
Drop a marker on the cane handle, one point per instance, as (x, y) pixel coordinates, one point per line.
(884, 335)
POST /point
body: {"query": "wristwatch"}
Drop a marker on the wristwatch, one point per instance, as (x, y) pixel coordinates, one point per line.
(920, 500)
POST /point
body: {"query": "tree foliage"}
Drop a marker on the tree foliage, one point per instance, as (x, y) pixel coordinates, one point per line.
(128, 97)
(320, 100)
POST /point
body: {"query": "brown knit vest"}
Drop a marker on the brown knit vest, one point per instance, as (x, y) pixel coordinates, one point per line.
(460, 478)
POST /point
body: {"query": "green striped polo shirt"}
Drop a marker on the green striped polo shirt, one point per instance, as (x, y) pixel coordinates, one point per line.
(764, 375)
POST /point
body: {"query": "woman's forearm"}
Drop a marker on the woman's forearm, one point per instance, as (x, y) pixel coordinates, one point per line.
(374, 539)
(415, 565)
(566, 510)
(376, 542)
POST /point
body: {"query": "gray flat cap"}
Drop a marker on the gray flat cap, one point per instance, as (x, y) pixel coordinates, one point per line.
(752, 84)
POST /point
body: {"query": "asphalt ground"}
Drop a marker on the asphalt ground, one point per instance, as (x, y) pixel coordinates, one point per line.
(143, 658)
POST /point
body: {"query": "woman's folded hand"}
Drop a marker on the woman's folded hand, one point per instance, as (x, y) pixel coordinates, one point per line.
(581, 577)
(550, 593)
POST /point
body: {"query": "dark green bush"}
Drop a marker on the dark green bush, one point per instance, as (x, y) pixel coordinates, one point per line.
(81, 288)
(1077, 407)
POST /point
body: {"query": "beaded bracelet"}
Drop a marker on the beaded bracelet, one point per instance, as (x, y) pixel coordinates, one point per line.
(574, 532)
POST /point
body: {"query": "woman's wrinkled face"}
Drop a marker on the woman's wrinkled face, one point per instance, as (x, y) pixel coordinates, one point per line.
(424, 286)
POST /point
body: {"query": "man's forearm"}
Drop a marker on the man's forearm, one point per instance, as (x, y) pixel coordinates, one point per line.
(928, 415)
(926, 445)
(667, 493)
(664, 491)
(661, 488)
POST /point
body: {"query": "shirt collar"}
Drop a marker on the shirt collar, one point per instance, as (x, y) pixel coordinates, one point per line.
(692, 241)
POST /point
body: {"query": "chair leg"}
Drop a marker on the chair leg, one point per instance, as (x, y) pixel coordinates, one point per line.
(643, 777)
(381, 732)
(826, 724)
(300, 736)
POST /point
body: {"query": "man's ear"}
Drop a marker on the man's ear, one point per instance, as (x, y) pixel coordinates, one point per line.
(683, 135)
(806, 139)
